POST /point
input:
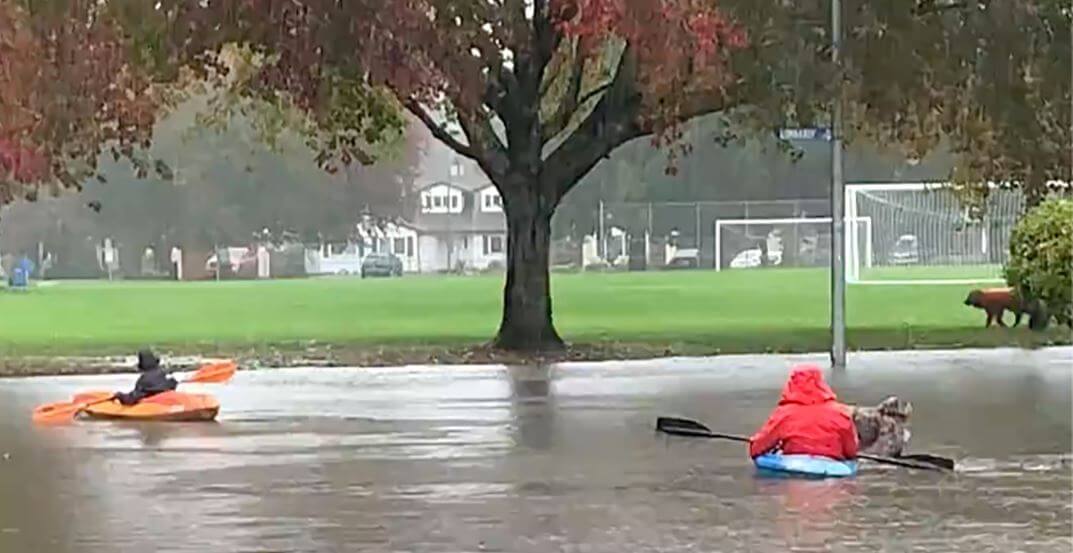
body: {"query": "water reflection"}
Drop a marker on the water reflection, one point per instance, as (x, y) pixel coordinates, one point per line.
(806, 511)
(41, 493)
(532, 406)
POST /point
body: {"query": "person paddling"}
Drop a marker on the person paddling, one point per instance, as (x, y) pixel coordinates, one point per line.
(808, 420)
(152, 381)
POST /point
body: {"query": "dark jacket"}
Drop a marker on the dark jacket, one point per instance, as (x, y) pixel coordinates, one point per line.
(808, 420)
(152, 381)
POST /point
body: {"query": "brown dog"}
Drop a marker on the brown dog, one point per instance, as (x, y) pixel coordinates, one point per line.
(996, 301)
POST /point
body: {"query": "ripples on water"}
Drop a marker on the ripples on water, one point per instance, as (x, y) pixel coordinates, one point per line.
(530, 460)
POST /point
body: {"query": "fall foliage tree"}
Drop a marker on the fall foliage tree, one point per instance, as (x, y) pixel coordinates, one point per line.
(67, 92)
(538, 91)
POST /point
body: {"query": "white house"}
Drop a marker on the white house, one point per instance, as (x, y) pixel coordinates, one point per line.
(344, 258)
(461, 223)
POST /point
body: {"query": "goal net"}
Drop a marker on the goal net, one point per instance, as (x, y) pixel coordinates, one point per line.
(920, 233)
(794, 242)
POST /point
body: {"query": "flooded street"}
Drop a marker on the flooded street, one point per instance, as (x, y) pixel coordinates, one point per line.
(529, 459)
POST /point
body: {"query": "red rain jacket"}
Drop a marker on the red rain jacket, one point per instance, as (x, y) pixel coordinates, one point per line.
(808, 420)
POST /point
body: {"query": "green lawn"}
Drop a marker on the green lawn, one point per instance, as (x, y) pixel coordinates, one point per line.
(934, 272)
(696, 311)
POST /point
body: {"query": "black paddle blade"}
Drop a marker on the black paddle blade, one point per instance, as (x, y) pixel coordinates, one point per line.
(944, 463)
(693, 429)
(668, 424)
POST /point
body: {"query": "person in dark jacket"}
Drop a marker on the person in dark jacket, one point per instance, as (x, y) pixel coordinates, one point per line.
(152, 381)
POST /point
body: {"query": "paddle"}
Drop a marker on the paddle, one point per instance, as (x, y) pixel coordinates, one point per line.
(65, 411)
(687, 427)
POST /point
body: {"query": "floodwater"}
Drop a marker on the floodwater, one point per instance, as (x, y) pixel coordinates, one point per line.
(542, 459)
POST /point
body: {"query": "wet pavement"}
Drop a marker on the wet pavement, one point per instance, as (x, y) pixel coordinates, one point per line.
(530, 459)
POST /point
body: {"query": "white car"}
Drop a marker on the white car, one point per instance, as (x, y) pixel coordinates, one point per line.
(750, 258)
(237, 256)
(906, 250)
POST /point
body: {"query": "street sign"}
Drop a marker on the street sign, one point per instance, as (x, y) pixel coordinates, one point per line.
(820, 133)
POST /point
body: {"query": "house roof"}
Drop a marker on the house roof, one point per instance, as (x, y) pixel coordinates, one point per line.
(471, 185)
(436, 167)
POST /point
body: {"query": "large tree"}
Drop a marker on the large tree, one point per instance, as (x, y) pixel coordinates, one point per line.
(541, 90)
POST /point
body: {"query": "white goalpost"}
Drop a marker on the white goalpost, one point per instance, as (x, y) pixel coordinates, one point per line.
(920, 233)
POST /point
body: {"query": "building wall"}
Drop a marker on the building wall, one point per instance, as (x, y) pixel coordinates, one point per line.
(403, 243)
(431, 254)
(491, 251)
(397, 240)
(468, 252)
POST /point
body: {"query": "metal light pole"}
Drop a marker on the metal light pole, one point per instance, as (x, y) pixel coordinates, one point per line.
(838, 229)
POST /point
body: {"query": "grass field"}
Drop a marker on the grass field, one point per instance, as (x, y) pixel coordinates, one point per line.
(933, 272)
(683, 312)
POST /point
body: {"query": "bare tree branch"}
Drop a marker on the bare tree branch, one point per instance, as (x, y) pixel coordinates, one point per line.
(439, 131)
(490, 153)
(615, 120)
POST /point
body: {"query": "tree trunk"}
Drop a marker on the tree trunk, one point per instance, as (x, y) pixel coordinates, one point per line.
(526, 323)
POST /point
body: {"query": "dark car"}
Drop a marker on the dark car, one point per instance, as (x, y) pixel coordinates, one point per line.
(381, 264)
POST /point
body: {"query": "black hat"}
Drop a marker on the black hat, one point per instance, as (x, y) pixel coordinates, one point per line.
(147, 360)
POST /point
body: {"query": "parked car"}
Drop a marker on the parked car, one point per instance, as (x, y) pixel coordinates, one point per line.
(751, 258)
(906, 250)
(685, 258)
(236, 259)
(381, 264)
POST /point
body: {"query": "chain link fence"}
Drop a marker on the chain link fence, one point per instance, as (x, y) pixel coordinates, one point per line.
(656, 235)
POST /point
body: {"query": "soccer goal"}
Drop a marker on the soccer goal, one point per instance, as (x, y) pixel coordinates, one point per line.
(920, 233)
(791, 242)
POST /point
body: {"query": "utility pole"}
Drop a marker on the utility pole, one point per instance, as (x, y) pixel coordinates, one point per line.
(838, 195)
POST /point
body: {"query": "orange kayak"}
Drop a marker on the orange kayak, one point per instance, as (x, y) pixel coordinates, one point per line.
(167, 406)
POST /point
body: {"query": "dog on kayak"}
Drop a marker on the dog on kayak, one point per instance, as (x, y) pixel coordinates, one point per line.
(884, 429)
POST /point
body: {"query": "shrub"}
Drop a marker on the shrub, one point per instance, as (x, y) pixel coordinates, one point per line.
(1041, 257)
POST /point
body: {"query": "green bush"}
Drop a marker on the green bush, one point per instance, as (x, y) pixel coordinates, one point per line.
(1041, 257)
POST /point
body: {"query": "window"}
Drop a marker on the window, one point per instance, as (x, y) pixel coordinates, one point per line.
(409, 246)
(495, 244)
(437, 201)
(399, 246)
(492, 201)
(426, 201)
(454, 202)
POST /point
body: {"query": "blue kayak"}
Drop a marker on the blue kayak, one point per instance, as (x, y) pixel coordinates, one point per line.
(806, 465)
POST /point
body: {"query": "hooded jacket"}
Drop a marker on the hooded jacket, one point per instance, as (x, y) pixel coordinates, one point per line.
(152, 381)
(808, 420)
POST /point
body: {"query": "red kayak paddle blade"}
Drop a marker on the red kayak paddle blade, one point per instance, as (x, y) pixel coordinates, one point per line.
(214, 373)
(56, 413)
